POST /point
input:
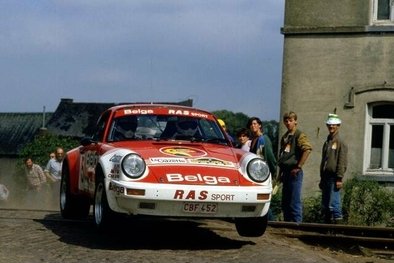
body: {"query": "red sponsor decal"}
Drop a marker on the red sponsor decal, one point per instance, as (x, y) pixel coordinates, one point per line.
(190, 195)
(202, 195)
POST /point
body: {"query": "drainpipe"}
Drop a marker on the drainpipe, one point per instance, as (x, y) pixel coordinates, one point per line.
(43, 130)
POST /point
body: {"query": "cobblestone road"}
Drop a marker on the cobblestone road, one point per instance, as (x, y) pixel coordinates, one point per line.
(42, 236)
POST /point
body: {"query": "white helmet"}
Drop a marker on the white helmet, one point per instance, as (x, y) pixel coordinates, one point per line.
(333, 119)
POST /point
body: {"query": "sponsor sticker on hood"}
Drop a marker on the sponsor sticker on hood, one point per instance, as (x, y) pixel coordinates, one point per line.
(183, 151)
(211, 161)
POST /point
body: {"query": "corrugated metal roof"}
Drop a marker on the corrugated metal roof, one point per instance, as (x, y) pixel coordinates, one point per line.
(18, 129)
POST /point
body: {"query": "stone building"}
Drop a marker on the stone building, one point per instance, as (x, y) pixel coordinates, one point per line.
(339, 57)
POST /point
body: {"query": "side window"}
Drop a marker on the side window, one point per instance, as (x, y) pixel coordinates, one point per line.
(98, 134)
(383, 11)
(381, 142)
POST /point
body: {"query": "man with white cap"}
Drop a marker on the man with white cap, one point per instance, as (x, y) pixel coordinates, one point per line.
(332, 170)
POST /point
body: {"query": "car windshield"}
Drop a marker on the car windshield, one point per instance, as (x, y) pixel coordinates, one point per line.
(165, 127)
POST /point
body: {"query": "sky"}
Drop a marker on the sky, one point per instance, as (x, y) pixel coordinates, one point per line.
(223, 54)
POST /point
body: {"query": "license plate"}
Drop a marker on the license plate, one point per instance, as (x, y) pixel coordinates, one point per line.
(202, 208)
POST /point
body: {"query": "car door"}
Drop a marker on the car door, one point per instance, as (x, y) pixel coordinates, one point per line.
(90, 154)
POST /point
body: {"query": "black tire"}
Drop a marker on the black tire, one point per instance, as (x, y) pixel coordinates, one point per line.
(71, 206)
(102, 213)
(251, 226)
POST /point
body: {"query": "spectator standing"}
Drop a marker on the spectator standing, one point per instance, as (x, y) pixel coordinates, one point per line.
(261, 144)
(53, 169)
(4, 192)
(332, 170)
(243, 136)
(34, 174)
(294, 151)
(52, 155)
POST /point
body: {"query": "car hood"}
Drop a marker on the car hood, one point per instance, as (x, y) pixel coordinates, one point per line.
(192, 163)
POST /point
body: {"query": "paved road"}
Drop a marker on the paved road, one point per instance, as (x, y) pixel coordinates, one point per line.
(42, 236)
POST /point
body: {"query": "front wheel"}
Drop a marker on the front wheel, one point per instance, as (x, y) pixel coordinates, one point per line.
(251, 226)
(102, 213)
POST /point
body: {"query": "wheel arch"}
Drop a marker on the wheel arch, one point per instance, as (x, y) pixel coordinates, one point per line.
(101, 172)
(71, 162)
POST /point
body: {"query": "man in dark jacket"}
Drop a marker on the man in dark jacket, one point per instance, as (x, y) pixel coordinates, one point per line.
(332, 169)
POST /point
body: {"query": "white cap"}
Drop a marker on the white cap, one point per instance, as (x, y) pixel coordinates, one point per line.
(333, 119)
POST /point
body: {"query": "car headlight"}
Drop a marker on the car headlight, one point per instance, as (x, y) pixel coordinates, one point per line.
(133, 165)
(258, 170)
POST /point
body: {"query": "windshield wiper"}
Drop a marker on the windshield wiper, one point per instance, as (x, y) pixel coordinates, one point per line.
(216, 140)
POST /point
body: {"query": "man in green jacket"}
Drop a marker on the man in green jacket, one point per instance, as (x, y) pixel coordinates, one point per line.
(294, 151)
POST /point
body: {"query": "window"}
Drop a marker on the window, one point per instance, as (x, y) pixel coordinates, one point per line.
(380, 146)
(383, 11)
(99, 132)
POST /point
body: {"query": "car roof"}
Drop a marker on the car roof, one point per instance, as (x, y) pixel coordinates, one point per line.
(152, 105)
(156, 108)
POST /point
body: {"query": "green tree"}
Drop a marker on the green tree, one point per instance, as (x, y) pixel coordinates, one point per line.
(42, 145)
(236, 121)
(39, 150)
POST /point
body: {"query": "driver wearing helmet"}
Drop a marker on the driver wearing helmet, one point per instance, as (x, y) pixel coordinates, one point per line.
(186, 127)
(125, 128)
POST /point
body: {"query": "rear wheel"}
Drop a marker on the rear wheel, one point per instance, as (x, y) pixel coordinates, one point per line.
(251, 226)
(71, 206)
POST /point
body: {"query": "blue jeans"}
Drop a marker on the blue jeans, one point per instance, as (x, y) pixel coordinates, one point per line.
(291, 196)
(331, 200)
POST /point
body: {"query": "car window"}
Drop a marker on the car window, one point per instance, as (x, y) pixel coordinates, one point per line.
(192, 128)
(98, 134)
(164, 127)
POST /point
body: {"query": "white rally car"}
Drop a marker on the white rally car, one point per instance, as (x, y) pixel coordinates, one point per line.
(164, 160)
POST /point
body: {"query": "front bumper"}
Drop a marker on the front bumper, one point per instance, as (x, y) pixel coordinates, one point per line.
(178, 200)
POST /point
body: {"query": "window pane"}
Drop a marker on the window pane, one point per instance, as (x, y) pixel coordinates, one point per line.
(383, 9)
(391, 147)
(385, 111)
(376, 147)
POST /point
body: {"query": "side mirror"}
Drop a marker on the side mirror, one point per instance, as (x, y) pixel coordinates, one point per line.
(85, 141)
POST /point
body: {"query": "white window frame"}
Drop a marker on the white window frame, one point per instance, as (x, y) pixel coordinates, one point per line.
(375, 14)
(386, 123)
